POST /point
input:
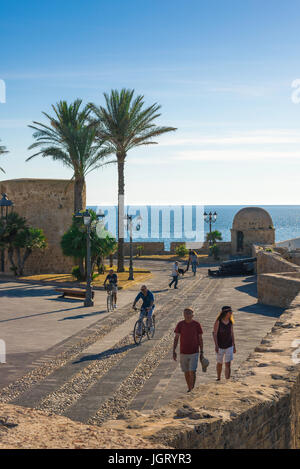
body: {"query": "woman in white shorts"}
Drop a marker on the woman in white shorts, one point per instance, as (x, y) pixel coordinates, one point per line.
(224, 341)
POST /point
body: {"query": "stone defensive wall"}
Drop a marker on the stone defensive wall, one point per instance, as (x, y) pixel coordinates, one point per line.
(156, 247)
(46, 204)
(259, 408)
(278, 279)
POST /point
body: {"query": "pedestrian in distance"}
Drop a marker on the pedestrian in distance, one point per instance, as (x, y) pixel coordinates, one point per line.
(175, 274)
(194, 261)
(191, 343)
(224, 341)
(189, 260)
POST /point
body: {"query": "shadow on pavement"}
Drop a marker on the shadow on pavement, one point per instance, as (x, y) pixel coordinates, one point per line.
(249, 287)
(83, 316)
(106, 354)
(30, 291)
(263, 310)
(40, 314)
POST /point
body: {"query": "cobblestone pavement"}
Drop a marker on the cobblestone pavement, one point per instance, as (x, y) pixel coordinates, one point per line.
(68, 360)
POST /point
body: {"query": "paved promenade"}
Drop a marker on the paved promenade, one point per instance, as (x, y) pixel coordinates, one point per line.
(82, 363)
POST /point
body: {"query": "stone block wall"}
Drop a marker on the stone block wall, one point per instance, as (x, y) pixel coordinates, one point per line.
(272, 262)
(148, 248)
(278, 289)
(46, 204)
(258, 409)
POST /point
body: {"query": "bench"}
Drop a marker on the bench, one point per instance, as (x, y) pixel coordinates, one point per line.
(72, 292)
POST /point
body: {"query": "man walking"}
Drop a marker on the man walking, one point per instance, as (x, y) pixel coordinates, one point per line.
(190, 333)
(175, 274)
(189, 260)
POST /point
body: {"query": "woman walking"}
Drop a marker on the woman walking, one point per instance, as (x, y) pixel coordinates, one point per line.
(224, 341)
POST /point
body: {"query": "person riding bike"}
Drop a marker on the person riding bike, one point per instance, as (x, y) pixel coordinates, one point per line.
(147, 307)
(112, 280)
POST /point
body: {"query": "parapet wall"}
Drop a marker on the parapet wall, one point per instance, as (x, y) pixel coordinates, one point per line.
(258, 409)
(273, 262)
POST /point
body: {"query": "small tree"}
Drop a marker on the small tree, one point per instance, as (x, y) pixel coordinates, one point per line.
(73, 243)
(214, 250)
(20, 240)
(25, 242)
(213, 237)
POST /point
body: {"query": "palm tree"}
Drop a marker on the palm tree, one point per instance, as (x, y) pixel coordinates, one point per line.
(2, 151)
(70, 139)
(125, 124)
(214, 236)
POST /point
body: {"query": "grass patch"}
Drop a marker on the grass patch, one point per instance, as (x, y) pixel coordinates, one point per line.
(140, 275)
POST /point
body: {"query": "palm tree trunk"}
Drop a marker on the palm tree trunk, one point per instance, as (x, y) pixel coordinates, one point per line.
(121, 191)
(78, 191)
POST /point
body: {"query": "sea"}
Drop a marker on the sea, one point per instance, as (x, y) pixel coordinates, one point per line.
(185, 223)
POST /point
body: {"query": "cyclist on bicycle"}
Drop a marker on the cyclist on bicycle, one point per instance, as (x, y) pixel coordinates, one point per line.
(147, 306)
(112, 280)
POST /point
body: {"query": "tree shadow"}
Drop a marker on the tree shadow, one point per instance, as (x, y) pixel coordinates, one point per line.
(39, 314)
(83, 316)
(30, 291)
(106, 354)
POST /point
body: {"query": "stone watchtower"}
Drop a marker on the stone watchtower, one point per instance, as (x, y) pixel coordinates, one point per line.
(46, 204)
(251, 225)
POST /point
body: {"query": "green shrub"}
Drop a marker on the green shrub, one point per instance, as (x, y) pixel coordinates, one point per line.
(140, 249)
(181, 250)
(214, 250)
(77, 274)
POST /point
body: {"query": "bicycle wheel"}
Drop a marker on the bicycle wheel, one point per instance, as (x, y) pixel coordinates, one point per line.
(151, 330)
(109, 303)
(138, 335)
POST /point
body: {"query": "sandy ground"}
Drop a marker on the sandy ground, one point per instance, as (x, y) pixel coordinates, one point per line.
(27, 428)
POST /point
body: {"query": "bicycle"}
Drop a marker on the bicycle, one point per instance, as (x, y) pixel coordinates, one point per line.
(141, 329)
(109, 300)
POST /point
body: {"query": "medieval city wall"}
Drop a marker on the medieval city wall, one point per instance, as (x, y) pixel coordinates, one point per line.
(46, 204)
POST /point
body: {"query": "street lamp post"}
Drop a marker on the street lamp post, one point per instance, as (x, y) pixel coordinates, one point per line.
(210, 218)
(87, 222)
(5, 206)
(129, 223)
(129, 219)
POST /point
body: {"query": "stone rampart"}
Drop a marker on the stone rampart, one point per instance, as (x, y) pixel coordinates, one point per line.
(258, 409)
(46, 204)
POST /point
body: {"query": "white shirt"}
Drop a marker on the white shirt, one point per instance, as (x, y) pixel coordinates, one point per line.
(175, 270)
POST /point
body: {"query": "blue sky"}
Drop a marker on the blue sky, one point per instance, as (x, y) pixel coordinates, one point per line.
(222, 71)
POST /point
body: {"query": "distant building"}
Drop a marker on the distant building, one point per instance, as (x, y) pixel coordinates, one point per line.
(251, 225)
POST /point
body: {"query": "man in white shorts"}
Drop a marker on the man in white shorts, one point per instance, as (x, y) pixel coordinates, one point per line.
(190, 333)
